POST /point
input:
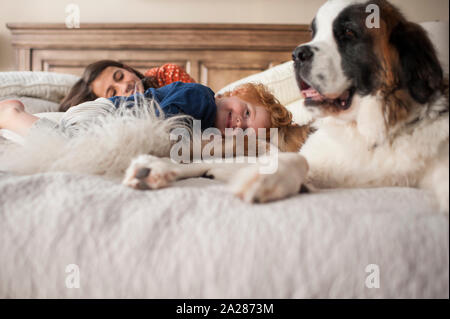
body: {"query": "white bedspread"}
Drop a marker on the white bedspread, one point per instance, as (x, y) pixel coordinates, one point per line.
(197, 241)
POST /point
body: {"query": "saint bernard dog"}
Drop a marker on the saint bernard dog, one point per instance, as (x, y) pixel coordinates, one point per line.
(381, 106)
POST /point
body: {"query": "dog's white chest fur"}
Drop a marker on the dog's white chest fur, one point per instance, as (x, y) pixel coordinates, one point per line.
(340, 156)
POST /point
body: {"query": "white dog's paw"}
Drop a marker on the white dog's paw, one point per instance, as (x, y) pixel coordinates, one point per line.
(251, 185)
(150, 172)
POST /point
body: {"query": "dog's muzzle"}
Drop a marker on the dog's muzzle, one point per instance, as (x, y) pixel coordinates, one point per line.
(302, 54)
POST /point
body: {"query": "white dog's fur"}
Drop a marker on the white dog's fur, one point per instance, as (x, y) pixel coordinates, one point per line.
(340, 156)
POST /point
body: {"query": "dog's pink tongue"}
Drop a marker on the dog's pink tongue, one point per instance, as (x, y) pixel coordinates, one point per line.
(310, 93)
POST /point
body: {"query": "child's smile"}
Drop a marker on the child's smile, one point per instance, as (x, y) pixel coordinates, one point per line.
(233, 112)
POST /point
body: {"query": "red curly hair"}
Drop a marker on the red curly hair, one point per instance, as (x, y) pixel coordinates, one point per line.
(290, 136)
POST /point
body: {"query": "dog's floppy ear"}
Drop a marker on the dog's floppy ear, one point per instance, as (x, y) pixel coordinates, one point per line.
(420, 71)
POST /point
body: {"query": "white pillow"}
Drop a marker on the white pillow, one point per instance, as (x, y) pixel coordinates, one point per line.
(34, 105)
(438, 33)
(44, 85)
(280, 80)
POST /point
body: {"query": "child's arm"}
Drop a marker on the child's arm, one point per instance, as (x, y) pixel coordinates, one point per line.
(13, 117)
(191, 99)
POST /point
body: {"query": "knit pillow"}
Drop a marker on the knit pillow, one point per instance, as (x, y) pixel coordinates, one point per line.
(44, 85)
(280, 80)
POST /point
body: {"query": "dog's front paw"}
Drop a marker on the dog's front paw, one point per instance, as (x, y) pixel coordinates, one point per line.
(150, 172)
(251, 185)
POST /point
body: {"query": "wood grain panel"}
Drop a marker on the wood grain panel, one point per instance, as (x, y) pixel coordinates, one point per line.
(214, 54)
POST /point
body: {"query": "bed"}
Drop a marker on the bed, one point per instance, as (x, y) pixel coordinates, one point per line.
(66, 235)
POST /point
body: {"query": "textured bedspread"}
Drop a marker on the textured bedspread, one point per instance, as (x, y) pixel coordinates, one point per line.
(197, 241)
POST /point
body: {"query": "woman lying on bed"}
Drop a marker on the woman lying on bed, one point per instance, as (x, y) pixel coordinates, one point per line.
(248, 106)
(108, 78)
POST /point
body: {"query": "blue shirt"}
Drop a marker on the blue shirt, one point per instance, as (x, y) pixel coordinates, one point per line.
(191, 99)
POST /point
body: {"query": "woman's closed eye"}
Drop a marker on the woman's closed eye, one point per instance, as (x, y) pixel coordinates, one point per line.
(118, 76)
(111, 92)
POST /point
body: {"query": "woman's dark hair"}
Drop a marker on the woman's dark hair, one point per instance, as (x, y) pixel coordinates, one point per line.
(82, 91)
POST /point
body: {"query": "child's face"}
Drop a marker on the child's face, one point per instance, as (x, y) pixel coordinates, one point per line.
(114, 81)
(233, 112)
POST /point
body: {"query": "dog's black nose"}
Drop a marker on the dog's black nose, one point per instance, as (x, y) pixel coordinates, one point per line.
(302, 53)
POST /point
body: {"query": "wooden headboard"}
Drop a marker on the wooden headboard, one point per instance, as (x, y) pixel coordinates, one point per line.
(214, 54)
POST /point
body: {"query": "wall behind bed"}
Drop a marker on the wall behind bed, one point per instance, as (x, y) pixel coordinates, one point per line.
(183, 11)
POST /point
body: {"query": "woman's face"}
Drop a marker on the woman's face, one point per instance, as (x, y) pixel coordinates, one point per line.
(233, 112)
(114, 81)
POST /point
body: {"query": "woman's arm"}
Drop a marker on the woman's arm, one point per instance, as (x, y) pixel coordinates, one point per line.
(169, 73)
(13, 117)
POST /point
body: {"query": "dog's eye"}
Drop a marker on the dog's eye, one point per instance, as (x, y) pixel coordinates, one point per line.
(349, 33)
